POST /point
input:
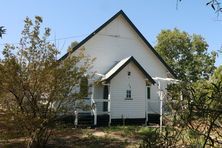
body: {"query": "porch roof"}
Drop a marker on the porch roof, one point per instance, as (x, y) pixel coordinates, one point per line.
(120, 65)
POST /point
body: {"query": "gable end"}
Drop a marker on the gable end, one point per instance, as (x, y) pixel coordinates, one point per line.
(134, 28)
(131, 59)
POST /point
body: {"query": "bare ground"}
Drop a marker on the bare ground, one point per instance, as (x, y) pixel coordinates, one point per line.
(82, 138)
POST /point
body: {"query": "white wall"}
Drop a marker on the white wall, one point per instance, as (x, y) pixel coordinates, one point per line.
(108, 49)
(134, 108)
(115, 42)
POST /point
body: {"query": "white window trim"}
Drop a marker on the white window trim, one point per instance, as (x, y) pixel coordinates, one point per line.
(128, 94)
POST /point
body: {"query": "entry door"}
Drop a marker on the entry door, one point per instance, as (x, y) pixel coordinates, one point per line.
(105, 96)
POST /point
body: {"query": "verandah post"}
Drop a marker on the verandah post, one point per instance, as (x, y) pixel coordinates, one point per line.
(94, 106)
(109, 106)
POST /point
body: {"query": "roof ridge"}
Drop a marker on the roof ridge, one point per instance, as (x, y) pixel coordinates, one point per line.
(92, 34)
(119, 66)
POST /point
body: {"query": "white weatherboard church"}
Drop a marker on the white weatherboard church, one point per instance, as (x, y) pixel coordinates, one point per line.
(127, 67)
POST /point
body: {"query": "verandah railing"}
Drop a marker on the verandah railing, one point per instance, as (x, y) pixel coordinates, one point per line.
(93, 109)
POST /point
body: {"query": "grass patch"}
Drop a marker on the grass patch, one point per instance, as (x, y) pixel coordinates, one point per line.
(124, 130)
(83, 138)
(146, 130)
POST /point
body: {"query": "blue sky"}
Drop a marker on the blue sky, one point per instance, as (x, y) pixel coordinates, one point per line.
(74, 20)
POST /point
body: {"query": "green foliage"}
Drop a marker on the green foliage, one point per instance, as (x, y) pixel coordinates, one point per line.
(73, 44)
(34, 86)
(187, 55)
(154, 138)
(217, 76)
(125, 130)
(199, 112)
(84, 86)
(195, 119)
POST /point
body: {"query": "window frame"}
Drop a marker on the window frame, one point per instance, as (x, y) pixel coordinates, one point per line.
(128, 94)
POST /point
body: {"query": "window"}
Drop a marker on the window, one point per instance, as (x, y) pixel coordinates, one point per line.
(148, 92)
(128, 94)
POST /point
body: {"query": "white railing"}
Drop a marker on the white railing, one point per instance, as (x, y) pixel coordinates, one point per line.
(101, 100)
(76, 118)
(94, 110)
(156, 106)
(153, 106)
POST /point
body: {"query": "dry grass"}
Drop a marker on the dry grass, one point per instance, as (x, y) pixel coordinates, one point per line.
(66, 137)
(69, 137)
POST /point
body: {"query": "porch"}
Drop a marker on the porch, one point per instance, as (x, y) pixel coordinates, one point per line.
(100, 115)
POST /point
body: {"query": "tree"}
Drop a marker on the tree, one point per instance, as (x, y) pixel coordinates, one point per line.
(200, 113)
(197, 116)
(215, 5)
(2, 31)
(192, 121)
(193, 107)
(34, 86)
(186, 54)
(72, 45)
(217, 76)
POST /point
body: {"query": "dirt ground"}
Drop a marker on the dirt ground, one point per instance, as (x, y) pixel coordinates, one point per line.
(83, 138)
(65, 136)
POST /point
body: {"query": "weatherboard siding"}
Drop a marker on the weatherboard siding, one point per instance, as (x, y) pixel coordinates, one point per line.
(118, 41)
(110, 45)
(120, 106)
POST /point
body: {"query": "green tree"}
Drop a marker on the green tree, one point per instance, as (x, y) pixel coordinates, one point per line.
(217, 76)
(200, 112)
(72, 45)
(186, 54)
(34, 86)
(192, 121)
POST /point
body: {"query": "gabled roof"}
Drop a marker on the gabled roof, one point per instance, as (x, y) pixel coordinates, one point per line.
(120, 65)
(134, 28)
